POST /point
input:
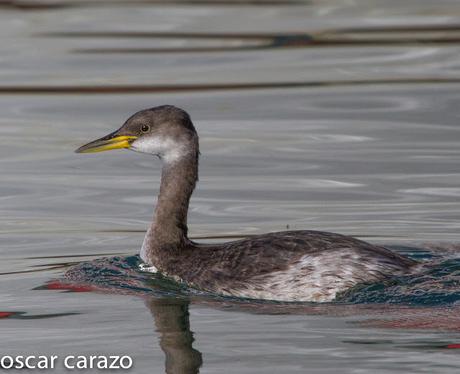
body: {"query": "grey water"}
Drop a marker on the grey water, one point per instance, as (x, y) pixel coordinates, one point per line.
(329, 115)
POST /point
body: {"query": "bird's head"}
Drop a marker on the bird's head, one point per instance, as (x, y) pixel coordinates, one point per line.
(164, 131)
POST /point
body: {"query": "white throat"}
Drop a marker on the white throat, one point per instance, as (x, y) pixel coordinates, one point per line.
(168, 149)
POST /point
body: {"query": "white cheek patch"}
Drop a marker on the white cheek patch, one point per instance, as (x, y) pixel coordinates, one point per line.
(168, 149)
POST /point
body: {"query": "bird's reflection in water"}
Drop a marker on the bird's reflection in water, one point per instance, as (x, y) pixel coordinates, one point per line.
(172, 322)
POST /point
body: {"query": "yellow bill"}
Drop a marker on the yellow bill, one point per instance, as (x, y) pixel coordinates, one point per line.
(107, 143)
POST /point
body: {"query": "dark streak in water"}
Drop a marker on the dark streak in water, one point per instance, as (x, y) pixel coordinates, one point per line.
(139, 89)
(169, 50)
(37, 6)
(300, 35)
(168, 35)
(330, 38)
(23, 5)
(21, 315)
(311, 43)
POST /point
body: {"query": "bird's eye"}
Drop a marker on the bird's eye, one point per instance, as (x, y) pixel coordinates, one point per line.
(145, 128)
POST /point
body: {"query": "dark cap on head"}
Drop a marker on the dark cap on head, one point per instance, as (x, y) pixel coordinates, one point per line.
(154, 117)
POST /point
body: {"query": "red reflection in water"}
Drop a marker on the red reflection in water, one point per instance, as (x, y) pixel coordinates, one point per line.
(57, 285)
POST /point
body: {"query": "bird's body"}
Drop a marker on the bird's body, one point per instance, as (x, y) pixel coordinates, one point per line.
(284, 266)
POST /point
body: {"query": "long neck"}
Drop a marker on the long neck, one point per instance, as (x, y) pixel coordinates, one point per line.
(168, 232)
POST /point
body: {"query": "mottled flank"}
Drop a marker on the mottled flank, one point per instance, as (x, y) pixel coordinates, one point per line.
(285, 266)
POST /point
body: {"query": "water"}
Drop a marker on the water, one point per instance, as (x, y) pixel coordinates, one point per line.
(333, 115)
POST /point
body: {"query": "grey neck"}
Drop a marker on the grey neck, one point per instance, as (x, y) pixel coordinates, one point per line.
(168, 232)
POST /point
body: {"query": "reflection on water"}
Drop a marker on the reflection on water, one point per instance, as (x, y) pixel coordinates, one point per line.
(171, 318)
(329, 115)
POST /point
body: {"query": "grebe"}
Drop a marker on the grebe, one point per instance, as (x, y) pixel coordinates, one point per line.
(282, 266)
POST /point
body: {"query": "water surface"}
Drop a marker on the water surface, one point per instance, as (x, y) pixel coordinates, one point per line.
(332, 115)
